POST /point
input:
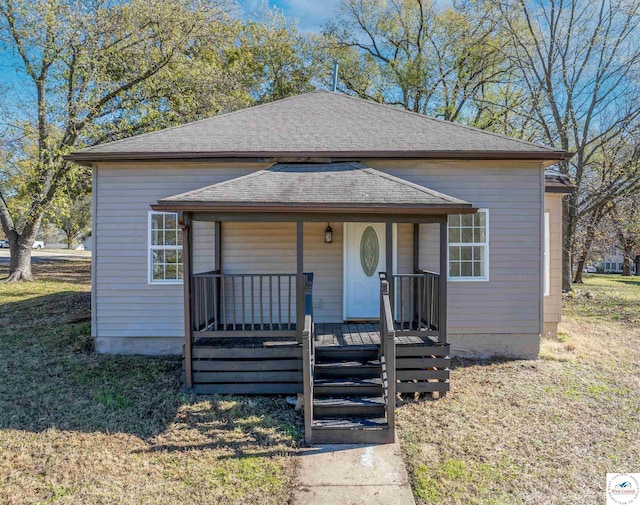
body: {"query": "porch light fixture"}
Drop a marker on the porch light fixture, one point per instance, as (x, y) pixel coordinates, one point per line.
(328, 234)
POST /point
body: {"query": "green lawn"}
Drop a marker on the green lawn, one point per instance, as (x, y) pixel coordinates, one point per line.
(81, 428)
(546, 431)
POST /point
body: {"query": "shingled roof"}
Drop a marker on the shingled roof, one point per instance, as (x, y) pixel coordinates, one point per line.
(558, 183)
(320, 124)
(317, 186)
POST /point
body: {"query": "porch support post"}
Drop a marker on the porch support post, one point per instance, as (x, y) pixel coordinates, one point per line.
(416, 283)
(388, 228)
(217, 265)
(218, 246)
(416, 247)
(185, 222)
(442, 306)
(300, 280)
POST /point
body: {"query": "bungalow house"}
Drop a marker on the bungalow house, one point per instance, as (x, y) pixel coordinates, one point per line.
(325, 245)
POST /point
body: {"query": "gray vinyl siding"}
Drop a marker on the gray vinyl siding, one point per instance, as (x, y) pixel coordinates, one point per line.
(127, 306)
(510, 301)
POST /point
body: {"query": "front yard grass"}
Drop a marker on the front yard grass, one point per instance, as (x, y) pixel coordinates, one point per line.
(546, 431)
(78, 427)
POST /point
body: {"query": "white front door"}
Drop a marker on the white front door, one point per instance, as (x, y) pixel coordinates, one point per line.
(365, 256)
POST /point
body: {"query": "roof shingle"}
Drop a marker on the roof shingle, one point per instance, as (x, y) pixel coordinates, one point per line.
(320, 123)
(318, 184)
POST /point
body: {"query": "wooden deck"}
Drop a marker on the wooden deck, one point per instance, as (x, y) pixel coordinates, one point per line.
(349, 334)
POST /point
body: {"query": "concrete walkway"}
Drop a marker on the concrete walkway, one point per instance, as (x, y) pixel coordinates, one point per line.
(352, 475)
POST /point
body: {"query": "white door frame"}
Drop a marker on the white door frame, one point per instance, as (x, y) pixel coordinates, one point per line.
(345, 225)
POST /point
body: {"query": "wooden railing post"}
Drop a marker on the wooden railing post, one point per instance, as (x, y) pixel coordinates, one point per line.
(185, 223)
(308, 357)
(388, 351)
(442, 295)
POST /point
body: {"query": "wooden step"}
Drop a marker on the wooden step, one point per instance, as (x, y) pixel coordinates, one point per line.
(352, 423)
(347, 387)
(348, 369)
(368, 407)
(350, 353)
(350, 431)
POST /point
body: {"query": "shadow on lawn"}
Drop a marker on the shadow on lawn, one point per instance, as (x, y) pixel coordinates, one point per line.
(52, 378)
(627, 280)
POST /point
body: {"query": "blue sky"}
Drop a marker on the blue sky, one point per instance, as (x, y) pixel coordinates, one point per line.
(311, 14)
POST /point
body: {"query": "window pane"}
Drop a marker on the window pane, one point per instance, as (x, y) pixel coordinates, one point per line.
(170, 222)
(454, 253)
(478, 269)
(454, 235)
(171, 271)
(179, 237)
(169, 238)
(156, 222)
(157, 237)
(465, 253)
(158, 272)
(477, 254)
(466, 269)
(454, 269)
(170, 256)
(467, 235)
(479, 235)
(454, 220)
(466, 219)
(480, 219)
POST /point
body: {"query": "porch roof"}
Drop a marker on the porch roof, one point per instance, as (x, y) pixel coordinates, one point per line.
(317, 187)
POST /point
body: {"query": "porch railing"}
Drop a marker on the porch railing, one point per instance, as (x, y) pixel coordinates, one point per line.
(308, 355)
(417, 304)
(243, 304)
(388, 354)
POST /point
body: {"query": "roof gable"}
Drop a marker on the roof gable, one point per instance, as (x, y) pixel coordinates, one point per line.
(320, 124)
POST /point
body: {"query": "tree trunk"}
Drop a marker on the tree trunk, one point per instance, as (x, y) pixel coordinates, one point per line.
(594, 222)
(627, 261)
(568, 217)
(20, 251)
(637, 260)
(20, 264)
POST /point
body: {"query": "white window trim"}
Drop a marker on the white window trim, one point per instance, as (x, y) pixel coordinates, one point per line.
(150, 279)
(547, 255)
(486, 253)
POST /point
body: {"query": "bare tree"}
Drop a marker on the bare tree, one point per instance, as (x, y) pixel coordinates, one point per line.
(409, 53)
(579, 63)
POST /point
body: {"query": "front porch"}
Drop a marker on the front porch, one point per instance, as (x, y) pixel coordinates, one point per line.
(256, 333)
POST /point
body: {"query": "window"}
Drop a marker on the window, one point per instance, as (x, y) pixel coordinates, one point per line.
(165, 248)
(547, 255)
(469, 246)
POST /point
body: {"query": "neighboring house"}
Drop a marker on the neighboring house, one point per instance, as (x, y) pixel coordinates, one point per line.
(613, 264)
(556, 187)
(270, 240)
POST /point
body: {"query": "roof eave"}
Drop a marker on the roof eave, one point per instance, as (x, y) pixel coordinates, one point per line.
(325, 208)
(86, 158)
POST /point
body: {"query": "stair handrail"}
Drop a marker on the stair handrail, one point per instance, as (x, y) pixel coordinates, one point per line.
(388, 353)
(308, 356)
